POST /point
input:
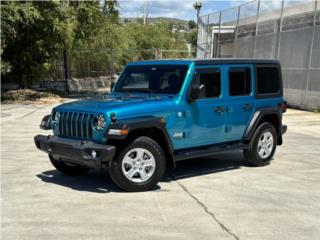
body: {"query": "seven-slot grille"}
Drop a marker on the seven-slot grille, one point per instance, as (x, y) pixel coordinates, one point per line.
(74, 124)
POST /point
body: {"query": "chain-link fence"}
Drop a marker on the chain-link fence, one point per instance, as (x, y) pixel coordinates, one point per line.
(95, 69)
(284, 30)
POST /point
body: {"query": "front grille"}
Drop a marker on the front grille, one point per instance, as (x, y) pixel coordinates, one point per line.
(78, 125)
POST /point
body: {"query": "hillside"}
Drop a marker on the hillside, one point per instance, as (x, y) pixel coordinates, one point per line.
(179, 23)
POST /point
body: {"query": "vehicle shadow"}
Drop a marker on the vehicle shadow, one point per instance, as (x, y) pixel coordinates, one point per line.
(94, 181)
(207, 165)
(100, 182)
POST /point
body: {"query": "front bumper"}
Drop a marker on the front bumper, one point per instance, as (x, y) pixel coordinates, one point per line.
(84, 153)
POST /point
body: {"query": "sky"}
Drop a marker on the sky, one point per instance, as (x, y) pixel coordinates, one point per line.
(182, 9)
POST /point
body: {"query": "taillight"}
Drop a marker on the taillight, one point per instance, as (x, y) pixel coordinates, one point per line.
(283, 106)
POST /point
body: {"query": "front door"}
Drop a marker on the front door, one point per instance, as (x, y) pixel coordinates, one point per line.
(240, 100)
(206, 116)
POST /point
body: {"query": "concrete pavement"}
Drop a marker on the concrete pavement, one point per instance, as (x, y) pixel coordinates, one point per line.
(210, 198)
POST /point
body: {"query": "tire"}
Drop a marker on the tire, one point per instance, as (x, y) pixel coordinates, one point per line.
(139, 166)
(261, 151)
(68, 169)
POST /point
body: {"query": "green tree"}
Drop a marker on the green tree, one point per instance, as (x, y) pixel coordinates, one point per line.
(110, 7)
(34, 34)
(192, 24)
(28, 38)
(192, 38)
(156, 35)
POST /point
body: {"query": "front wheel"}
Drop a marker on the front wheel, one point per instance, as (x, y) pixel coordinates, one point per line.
(139, 166)
(263, 145)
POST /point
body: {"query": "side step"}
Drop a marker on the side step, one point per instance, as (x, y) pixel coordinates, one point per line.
(207, 151)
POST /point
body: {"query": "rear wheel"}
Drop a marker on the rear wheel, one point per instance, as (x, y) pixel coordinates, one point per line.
(66, 168)
(263, 145)
(139, 166)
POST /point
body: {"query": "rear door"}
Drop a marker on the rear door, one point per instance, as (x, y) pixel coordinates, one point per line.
(240, 100)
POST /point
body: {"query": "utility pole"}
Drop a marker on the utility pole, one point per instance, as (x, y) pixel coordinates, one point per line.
(197, 6)
(144, 10)
(65, 70)
(145, 13)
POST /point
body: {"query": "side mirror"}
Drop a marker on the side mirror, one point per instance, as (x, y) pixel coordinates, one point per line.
(195, 91)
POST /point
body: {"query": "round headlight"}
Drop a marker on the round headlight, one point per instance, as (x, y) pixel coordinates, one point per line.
(57, 116)
(99, 122)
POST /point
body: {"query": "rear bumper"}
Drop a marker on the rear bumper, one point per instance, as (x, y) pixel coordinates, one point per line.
(84, 153)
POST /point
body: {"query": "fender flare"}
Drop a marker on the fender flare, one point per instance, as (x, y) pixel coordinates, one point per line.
(257, 116)
(146, 122)
(46, 123)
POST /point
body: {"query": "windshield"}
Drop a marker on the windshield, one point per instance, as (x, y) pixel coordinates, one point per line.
(161, 79)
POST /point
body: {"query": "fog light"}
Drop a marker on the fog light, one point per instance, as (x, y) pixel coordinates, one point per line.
(93, 154)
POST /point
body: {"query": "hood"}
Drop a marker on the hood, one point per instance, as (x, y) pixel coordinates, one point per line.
(122, 107)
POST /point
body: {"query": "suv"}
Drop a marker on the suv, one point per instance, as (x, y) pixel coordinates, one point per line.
(161, 112)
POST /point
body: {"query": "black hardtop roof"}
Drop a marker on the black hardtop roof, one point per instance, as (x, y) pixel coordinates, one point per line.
(199, 61)
(235, 61)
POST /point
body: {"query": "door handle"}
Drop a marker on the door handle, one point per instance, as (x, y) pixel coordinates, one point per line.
(247, 107)
(219, 110)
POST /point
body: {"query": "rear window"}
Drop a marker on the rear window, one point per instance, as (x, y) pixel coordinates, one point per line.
(268, 81)
(239, 82)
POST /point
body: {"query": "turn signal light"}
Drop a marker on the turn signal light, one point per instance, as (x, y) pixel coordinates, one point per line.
(118, 132)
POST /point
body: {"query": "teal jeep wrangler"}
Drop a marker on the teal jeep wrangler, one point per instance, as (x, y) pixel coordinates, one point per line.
(161, 112)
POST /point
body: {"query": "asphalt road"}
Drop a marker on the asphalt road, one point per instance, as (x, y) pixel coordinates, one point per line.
(209, 198)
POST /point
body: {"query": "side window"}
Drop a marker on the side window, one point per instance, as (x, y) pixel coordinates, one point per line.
(211, 81)
(268, 81)
(239, 81)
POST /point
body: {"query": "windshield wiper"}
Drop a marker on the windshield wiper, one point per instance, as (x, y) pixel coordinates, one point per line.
(138, 89)
(124, 90)
(150, 91)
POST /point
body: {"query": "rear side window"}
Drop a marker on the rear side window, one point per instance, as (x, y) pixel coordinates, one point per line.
(239, 81)
(268, 81)
(211, 81)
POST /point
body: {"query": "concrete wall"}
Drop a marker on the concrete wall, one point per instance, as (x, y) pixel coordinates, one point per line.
(76, 84)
